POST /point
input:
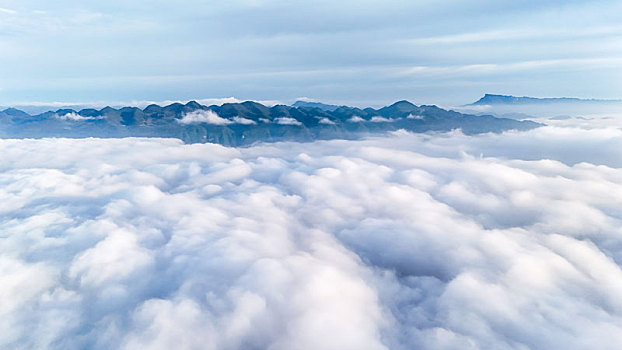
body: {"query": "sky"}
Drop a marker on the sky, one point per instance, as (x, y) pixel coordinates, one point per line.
(363, 53)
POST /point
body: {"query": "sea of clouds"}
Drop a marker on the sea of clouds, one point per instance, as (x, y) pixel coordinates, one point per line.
(407, 241)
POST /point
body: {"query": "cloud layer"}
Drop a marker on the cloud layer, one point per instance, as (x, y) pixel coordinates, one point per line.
(400, 242)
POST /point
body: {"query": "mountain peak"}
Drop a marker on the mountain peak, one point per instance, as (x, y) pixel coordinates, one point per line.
(194, 105)
(398, 109)
(322, 106)
(402, 103)
(14, 112)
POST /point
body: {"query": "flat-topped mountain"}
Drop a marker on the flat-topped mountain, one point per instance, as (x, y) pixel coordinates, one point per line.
(492, 99)
(244, 123)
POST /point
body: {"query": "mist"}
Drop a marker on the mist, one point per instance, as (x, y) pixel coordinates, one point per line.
(581, 113)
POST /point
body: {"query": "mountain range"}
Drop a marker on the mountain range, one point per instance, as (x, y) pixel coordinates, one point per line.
(492, 99)
(322, 106)
(234, 124)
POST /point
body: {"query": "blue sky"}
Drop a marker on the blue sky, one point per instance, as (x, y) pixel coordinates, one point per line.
(352, 52)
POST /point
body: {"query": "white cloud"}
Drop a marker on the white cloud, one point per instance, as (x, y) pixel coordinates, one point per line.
(326, 121)
(408, 241)
(306, 99)
(287, 121)
(244, 121)
(377, 119)
(506, 67)
(519, 34)
(43, 106)
(8, 11)
(203, 116)
(356, 119)
(568, 49)
(412, 116)
(75, 117)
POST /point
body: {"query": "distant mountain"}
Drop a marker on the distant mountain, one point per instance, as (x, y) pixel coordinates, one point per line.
(234, 124)
(319, 105)
(12, 112)
(491, 99)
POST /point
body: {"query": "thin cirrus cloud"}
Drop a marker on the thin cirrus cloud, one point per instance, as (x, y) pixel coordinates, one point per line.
(396, 242)
(478, 69)
(281, 50)
(526, 34)
(7, 11)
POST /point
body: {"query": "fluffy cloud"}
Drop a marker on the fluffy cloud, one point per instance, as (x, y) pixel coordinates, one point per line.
(461, 244)
(210, 117)
(287, 121)
(377, 119)
(201, 116)
(244, 121)
(75, 117)
(356, 119)
(326, 121)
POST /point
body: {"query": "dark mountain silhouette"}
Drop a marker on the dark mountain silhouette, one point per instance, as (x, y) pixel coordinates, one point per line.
(234, 124)
(319, 105)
